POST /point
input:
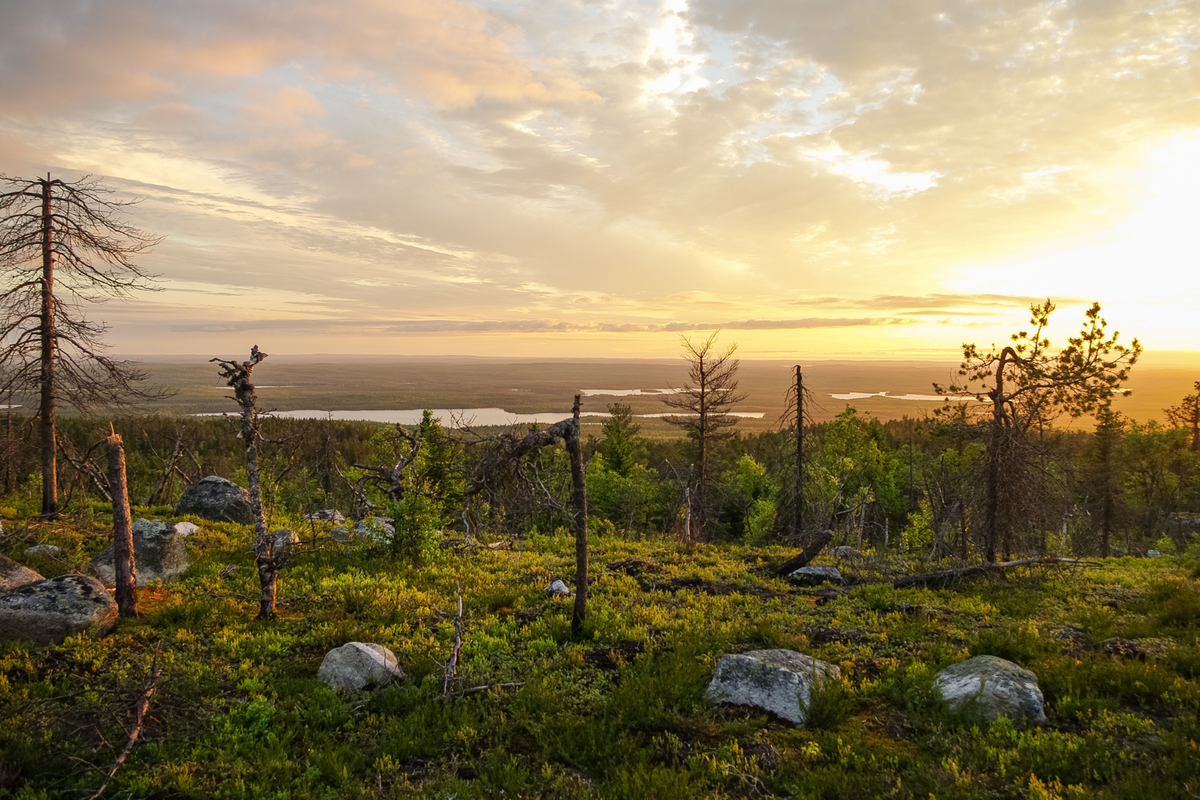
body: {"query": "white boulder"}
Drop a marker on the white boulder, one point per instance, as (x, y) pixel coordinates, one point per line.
(995, 687)
(815, 576)
(357, 665)
(558, 589)
(777, 681)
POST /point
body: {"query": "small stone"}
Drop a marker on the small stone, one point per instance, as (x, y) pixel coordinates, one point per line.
(158, 554)
(777, 681)
(13, 574)
(283, 538)
(815, 576)
(356, 665)
(845, 551)
(43, 549)
(326, 515)
(186, 528)
(1153, 554)
(48, 611)
(558, 589)
(998, 687)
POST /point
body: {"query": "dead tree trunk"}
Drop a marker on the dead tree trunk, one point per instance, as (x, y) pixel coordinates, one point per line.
(814, 548)
(49, 337)
(268, 558)
(568, 431)
(123, 559)
(799, 489)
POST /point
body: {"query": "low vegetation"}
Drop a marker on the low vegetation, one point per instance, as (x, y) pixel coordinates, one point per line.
(618, 712)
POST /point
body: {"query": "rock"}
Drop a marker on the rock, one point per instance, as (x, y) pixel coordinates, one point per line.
(13, 574)
(1153, 554)
(284, 538)
(379, 529)
(845, 551)
(1123, 648)
(778, 681)
(186, 528)
(158, 554)
(356, 665)
(47, 549)
(49, 611)
(558, 589)
(998, 687)
(216, 499)
(326, 515)
(815, 576)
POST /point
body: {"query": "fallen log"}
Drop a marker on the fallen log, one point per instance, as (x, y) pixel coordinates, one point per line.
(940, 579)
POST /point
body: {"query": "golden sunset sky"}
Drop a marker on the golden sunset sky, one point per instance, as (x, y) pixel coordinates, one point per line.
(818, 178)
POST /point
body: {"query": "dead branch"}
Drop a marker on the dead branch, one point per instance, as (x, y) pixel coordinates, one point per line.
(452, 664)
(485, 687)
(169, 467)
(814, 547)
(143, 705)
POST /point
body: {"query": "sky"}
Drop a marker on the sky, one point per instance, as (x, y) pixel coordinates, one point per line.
(815, 178)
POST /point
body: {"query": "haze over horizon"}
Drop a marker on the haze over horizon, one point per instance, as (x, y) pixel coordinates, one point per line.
(573, 179)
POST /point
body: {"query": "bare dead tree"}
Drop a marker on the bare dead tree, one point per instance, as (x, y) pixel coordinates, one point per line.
(390, 479)
(62, 244)
(268, 558)
(169, 467)
(706, 400)
(568, 431)
(124, 566)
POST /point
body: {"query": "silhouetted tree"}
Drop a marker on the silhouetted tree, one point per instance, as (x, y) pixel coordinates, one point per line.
(1187, 415)
(706, 400)
(1025, 386)
(62, 245)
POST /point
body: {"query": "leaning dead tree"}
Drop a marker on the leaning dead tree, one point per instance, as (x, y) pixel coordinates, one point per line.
(269, 556)
(390, 479)
(568, 431)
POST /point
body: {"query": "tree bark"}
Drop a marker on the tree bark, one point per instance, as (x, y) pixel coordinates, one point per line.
(579, 501)
(123, 558)
(46, 409)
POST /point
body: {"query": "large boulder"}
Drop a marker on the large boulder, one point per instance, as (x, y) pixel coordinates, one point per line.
(216, 499)
(777, 681)
(815, 576)
(158, 554)
(49, 611)
(994, 688)
(357, 665)
(13, 574)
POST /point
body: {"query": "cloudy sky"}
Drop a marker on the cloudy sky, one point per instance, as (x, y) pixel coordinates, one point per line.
(591, 177)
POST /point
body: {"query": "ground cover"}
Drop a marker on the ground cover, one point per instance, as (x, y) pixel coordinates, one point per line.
(618, 713)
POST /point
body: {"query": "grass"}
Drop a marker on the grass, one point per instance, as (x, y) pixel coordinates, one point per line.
(617, 713)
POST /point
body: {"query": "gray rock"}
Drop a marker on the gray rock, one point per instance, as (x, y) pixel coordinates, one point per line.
(46, 549)
(778, 681)
(380, 529)
(49, 611)
(158, 554)
(13, 574)
(216, 499)
(284, 538)
(357, 665)
(186, 528)
(1153, 554)
(815, 576)
(558, 589)
(845, 551)
(996, 687)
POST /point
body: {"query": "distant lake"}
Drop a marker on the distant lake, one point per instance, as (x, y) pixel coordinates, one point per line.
(451, 417)
(886, 396)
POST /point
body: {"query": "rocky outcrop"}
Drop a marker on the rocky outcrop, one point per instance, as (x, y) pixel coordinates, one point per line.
(776, 681)
(218, 500)
(158, 554)
(815, 576)
(357, 665)
(47, 612)
(13, 574)
(992, 688)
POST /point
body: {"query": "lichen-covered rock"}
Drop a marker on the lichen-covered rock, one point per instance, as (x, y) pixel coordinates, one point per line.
(815, 576)
(371, 529)
(43, 549)
(777, 681)
(158, 554)
(13, 574)
(558, 589)
(845, 551)
(994, 687)
(49, 611)
(283, 537)
(216, 499)
(357, 665)
(1153, 554)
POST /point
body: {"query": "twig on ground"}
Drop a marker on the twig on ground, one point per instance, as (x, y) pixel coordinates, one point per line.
(143, 705)
(452, 664)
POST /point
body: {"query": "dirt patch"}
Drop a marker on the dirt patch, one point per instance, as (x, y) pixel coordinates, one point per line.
(609, 658)
(633, 567)
(819, 636)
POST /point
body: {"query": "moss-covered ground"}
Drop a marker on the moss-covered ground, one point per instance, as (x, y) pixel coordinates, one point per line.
(617, 713)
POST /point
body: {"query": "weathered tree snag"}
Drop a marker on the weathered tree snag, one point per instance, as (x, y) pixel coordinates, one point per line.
(49, 337)
(123, 559)
(942, 578)
(814, 547)
(579, 501)
(568, 431)
(268, 559)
